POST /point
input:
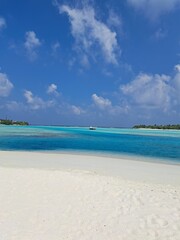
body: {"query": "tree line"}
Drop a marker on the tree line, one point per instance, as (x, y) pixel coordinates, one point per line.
(11, 122)
(169, 126)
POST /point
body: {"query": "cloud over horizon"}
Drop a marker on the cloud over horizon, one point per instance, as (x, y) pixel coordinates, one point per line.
(154, 91)
(5, 85)
(36, 102)
(77, 110)
(101, 102)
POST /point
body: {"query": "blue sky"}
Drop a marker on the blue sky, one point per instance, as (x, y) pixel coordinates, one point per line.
(102, 63)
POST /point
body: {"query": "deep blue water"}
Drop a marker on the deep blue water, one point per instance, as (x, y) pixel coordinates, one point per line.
(164, 144)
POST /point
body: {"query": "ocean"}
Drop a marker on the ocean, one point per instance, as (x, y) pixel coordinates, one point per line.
(161, 144)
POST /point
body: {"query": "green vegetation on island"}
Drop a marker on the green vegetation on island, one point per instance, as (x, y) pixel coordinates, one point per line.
(11, 122)
(173, 127)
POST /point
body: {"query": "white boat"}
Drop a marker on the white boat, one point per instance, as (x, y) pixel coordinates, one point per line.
(92, 128)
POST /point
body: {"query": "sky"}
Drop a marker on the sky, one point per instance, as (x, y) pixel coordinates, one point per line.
(113, 63)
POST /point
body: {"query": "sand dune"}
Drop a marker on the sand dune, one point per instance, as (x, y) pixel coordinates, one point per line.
(68, 200)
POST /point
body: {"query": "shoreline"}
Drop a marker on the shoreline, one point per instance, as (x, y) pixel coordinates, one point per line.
(125, 167)
(124, 156)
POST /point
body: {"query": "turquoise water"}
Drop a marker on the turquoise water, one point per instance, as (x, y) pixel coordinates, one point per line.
(164, 144)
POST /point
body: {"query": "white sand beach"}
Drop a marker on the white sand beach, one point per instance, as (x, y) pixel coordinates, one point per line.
(52, 196)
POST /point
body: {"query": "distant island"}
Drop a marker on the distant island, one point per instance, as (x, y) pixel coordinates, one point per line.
(11, 122)
(173, 127)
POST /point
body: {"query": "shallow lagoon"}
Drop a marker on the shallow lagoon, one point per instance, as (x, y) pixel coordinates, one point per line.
(164, 144)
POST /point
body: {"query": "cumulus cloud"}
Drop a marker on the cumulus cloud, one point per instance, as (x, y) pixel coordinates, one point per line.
(101, 102)
(154, 91)
(5, 85)
(52, 89)
(35, 102)
(77, 110)
(154, 8)
(32, 43)
(149, 90)
(2, 23)
(90, 32)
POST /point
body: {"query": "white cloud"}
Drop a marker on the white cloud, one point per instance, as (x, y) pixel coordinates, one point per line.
(177, 68)
(5, 85)
(154, 8)
(101, 102)
(52, 89)
(2, 23)
(31, 44)
(90, 32)
(154, 91)
(77, 110)
(149, 90)
(35, 102)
